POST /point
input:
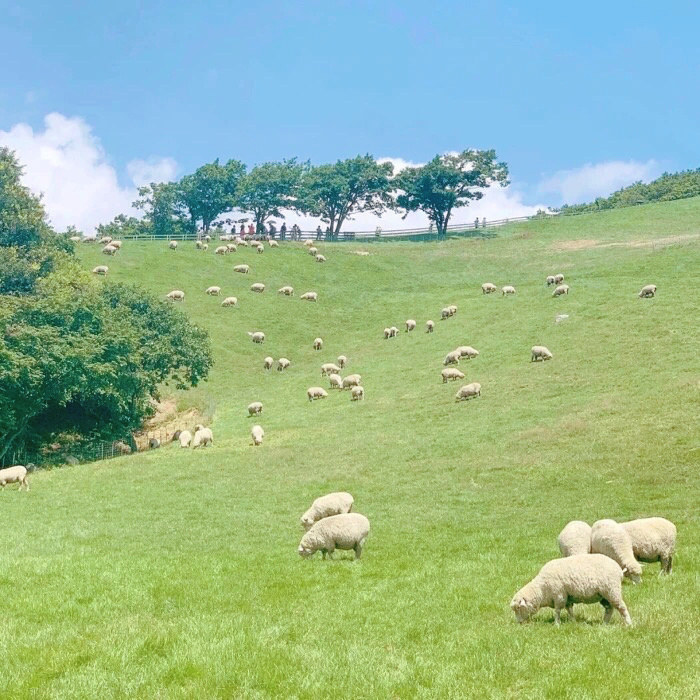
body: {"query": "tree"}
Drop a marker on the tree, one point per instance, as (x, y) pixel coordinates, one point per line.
(446, 182)
(122, 225)
(335, 192)
(163, 210)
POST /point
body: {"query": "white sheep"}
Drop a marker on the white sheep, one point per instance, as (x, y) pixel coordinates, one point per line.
(229, 301)
(255, 408)
(540, 352)
(198, 245)
(612, 540)
(207, 238)
(287, 291)
(105, 240)
(575, 538)
(185, 438)
(352, 380)
(329, 368)
(452, 309)
(653, 539)
(274, 244)
(558, 279)
(410, 325)
(257, 433)
(488, 288)
(13, 475)
(243, 269)
(75, 239)
(205, 246)
(117, 244)
(320, 258)
(363, 253)
(176, 295)
(647, 291)
(100, 270)
(172, 245)
(387, 333)
(452, 358)
(561, 290)
(268, 362)
(394, 332)
(429, 326)
(310, 296)
(445, 313)
(221, 250)
(202, 437)
(282, 364)
(213, 291)
(467, 351)
(258, 287)
(313, 250)
(316, 392)
(346, 531)
(582, 578)
(469, 391)
(451, 373)
(342, 361)
(231, 247)
(357, 393)
(336, 381)
(109, 250)
(550, 280)
(261, 249)
(326, 506)
(257, 337)
(318, 344)
(508, 289)
(308, 244)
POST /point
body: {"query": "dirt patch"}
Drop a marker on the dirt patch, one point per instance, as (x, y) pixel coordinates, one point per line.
(166, 421)
(582, 244)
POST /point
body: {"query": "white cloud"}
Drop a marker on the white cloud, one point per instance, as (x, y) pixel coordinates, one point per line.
(67, 164)
(597, 180)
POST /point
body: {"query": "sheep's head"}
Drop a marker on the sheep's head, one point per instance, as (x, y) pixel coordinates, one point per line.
(521, 609)
(634, 575)
(306, 522)
(305, 552)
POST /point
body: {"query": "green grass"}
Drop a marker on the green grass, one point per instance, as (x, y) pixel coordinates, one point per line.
(174, 574)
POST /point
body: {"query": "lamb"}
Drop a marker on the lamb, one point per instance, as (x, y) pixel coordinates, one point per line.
(282, 364)
(346, 531)
(540, 352)
(647, 291)
(243, 269)
(508, 289)
(13, 475)
(429, 326)
(452, 358)
(318, 344)
(185, 437)
(352, 380)
(258, 336)
(550, 280)
(313, 250)
(467, 351)
(320, 258)
(326, 506)
(342, 361)
(560, 290)
(357, 393)
(612, 540)
(229, 301)
(257, 433)
(469, 391)
(451, 373)
(258, 287)
(176, 295)
(336, 381)
(558, 279)
(255, 408)
(221, 250)
(329, 368)
(410, 325)
(488, 288)
(287, 291)
(268, 362)
(100, 270)
(316, 392)
(202, 437)
(575, 539)
(582, 578)
(109, 250)
(172, 245)
(310, 296)
(653, 539)
(213, 291)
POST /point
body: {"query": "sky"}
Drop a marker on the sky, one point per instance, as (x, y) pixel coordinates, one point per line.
(578, 99)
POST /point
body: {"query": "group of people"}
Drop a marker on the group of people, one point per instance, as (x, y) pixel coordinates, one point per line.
(259, 232)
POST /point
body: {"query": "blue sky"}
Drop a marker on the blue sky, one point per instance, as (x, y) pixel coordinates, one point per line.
(555, 88)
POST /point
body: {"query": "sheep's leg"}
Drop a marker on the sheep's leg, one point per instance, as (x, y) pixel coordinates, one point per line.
(666, 564)
(624, 613)
(323, 553)
(358, 550)
(557, 615)
(570, 611)
(608, 611)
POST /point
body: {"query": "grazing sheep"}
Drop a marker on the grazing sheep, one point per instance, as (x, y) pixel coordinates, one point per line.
(336, 381)
(213, 291)
(342, 361)
(653, 539)
(117, 244)
(310, 296)
(287, 291)
(274, 244)
(258, 287)
(452, 309)
(575, 539)
(410, 325)
(550, 280)
(612, 540)
(100, 270)
(243, 242)
(469, 391)
(255, 408)
(429, 326)
(561, 289)
(582, 578)
(558, 279)
(329, 368)
(647, 292)
(198, 245)
(207, 238)
(105, 240)
(172, 245)
(387, 333)
(243, 269)
(257, 433)
(261, 249)
(363, 253)
(540, 352)
(352, 380)
(176, 436)
(326, 506)
(451, 373)
(488, 288)
(229, 301)
(346, 531)
(318, 344)
(282, 364)
(316, 392)
(313, 250)
(467, 351)
(452, 358)
(121, 447)
(394, 332)
(205, 246)
(320, 258)
(445, 313)
(308, 244)
(13, 475)
(508, 289)
(221, 250)
(185, 437)
(231, 248)
(109, 250)
(357, 393)
(176, 295)
(257, 337)
(202, 437)
(153, 443)
(268, 362)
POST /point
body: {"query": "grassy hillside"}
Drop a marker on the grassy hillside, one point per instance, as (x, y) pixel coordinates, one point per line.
(174, 573)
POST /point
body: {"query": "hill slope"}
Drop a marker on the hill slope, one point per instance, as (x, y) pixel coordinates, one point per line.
(174, 573)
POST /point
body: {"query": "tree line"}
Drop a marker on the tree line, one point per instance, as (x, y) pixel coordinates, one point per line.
(332, 192)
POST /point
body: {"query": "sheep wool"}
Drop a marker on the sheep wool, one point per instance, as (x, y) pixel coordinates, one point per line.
(176, 295)
(14, 475)
(348, 531)
(336, 381)
(221, 250)
(612, 540)
(243, 269)
(325, 506)
(452, 358)
(429, 326)
(561, 290)
(172, 245)
(258, 287)
(213, 291)
(647, 291)
(320, 258)
(352, 380)
(539, 352)
(550, 280)
(287, 291)
(469, 391)
(451, 373)
(508, 289)
(410, 325)
(467, 351)
(257, 433)
(282, 364)
(558, 279)
(109, 250)
(255, 408)
(310, 296)
(318, 344)
(316, 392)
(357, 393)
(488, 288)
(100, 270)
(329, 368)
(185, 438)
(257, 337)
(268, 362)
(575, 539)
(229, 301)
(653, 539)
(342, 361)
(202, 437)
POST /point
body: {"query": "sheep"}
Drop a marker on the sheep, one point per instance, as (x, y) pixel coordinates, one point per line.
(261, 249)
(75, 239)
(318, 344)
(363, 253)
(100, 270)
(467, 351)
(274, 244)
(469, 391)
(202, 437)
(313, 250)
(176, 295)
(647, 291)
(213, 291)
(394, 332)
(255, 408)
(508, 289)
(257, 337)
(560, 290)
(153, 443)
(558, 279)
(575, 539)
(13, 475)
(172, 245)
(352, 380)
(109, 250)
(612, 540)
(229, 301)
(117, 244)
(205, 246)
(329, 368)
(342, 361)
(308, 244)
(268, 362)
(357, 393)
(121, 447)
(282, 364)
(310, 296)
(185, 437)
(176, 436)
(316, 392)
(452, 309)
(207, 238)
(653, 539)
(387, 333)
(105, 240)
(429, 326)
(198, 245)
(231, 248)
(287, 291)
(488, 288)
(257, 433)
(336, 381)
(540, 352)
(326, 506)
(451, 373)
(320, 258)
(445, 313)
(550, 280)
(452, 358)
(582, 578)
(410, 325)
(258, 287)
(221, 250)
(243, 242)
(345, 531)
(243, 269)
